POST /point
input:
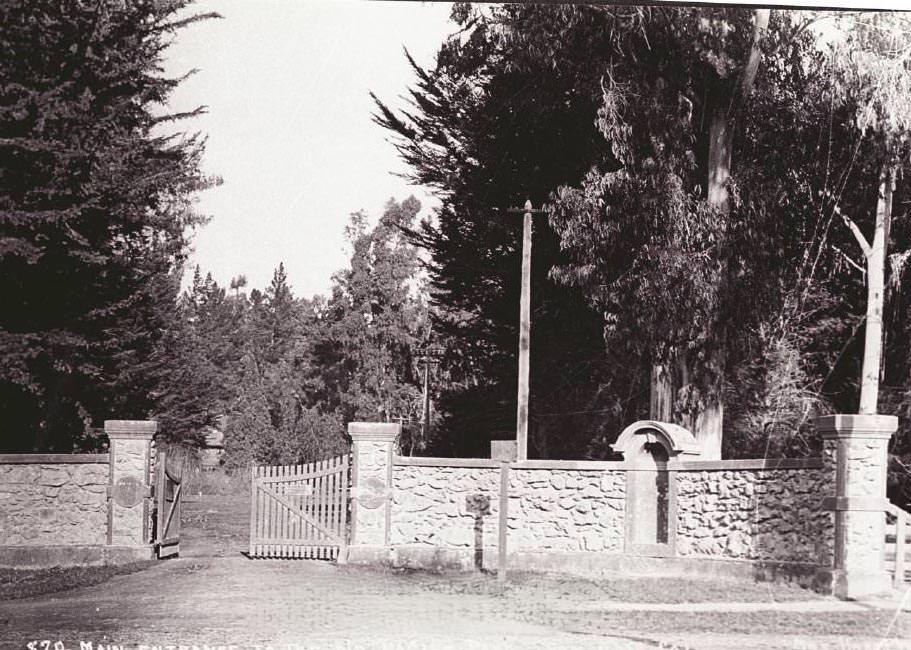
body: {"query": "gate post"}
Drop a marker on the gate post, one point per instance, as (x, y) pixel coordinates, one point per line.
(129, 492)
(859, 445)
(371, 503)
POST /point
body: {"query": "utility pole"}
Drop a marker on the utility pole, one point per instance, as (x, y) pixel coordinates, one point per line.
(524, 330)
(430, 355)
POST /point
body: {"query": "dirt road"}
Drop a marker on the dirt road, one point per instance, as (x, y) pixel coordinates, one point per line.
(213, 596)
(246, 603)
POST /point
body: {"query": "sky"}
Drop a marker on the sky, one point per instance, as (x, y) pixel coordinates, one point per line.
(289, 126)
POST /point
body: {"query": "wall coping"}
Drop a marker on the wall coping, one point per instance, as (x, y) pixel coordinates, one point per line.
(428, 461)
(846, 425)
(604, 465)
(53, 459)
(143, 429)
(378, 431)
(608, 465)
(746, 464)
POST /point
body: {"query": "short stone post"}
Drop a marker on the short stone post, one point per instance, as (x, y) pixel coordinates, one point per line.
(371, 503)
(130, 491)
(859, 445)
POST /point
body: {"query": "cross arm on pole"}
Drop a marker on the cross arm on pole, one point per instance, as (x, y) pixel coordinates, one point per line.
(526, 209)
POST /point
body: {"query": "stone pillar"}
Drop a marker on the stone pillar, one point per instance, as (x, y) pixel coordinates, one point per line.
(859, 445)
(129, 502)
(371, 503)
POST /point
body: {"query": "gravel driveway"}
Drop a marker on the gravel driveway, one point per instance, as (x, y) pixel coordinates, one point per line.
(288, 604)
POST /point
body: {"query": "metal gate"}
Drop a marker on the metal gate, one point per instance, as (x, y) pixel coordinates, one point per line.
(167, 505)
(300, 511)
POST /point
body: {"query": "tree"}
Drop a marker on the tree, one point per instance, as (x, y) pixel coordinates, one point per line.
(249, 423)
(377, 320)
(672, 103)
(237, 284)
(688, 281)
(198, 361)
(490, 126)
(870, 66)
(94, 211)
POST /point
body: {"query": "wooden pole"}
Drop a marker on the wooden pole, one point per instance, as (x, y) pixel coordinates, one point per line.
(504, 521)
(876, 270)
(524, 331)
(524, 337)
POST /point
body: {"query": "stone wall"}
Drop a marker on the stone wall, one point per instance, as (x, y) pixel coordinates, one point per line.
(555, 510)
(53, 500)
(768, 511)
(755, 514)
(444, 506)
(79, 509)
(566, 510)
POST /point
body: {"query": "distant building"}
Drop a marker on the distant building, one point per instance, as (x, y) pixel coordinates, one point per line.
(213, 450)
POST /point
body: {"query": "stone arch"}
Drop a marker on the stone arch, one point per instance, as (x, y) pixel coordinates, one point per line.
(651, 485)
(638, 441)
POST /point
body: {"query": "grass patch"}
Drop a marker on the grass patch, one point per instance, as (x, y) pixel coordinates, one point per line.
(873, 623)
(215, 525)
(25, 583)
(536, 587)
(217, 482)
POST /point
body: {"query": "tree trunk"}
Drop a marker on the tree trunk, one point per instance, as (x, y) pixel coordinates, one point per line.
(707, 424)
(661, 397)
(876, 270)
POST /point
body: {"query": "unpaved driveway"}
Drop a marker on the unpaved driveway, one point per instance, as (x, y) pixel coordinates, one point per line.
(232, 600)
(214, 596)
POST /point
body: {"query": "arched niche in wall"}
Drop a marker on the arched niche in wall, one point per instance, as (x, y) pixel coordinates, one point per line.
(651, 488)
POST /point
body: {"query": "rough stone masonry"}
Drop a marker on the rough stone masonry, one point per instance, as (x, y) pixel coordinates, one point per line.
(757, 514)
(53, 502)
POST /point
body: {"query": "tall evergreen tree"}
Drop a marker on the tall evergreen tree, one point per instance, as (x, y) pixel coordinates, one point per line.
(94, 210)
(492, 126)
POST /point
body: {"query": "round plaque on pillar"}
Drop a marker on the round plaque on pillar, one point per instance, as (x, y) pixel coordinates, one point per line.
(128, 492)
(372, 493)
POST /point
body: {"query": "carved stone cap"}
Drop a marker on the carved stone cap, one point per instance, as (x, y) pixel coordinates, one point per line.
(141, 429)
(675, 439)
(857, 426)
(378, 431)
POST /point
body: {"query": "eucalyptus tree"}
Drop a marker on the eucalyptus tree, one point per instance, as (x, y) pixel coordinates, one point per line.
(377, 319)
(869, 61)
(659, 207)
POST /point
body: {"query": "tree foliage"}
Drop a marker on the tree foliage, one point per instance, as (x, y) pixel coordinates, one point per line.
(757, 288)
(288, 373)
(94, 212)
(490, 126)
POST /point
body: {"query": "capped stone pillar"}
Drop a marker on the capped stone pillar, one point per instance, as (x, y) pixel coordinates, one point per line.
(371, 503)
(129, 492)
(859, 445)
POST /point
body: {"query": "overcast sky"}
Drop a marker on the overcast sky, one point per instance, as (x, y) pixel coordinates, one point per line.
(289, 126)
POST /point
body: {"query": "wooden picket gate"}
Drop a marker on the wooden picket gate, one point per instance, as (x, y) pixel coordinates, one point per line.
(300, 511)
(168, 481)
